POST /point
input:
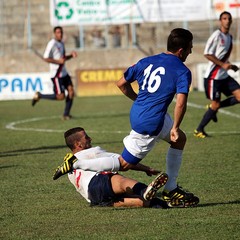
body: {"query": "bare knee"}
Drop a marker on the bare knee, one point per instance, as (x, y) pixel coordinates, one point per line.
(215, 105)
(60, 96)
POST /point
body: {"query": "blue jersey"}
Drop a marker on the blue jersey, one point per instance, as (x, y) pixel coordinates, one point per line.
(159, 78)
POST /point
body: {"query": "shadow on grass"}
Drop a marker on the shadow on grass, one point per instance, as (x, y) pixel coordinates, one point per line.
(220, 203)
(30, 151)
(43, 149)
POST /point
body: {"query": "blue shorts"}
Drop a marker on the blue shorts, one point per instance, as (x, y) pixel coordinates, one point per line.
(100, 191)
(214, 88)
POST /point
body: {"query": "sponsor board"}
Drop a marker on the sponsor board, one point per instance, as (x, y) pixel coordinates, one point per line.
(99, 82)
(24, 85)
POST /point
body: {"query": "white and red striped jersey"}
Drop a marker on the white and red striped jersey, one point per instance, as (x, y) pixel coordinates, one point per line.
(55, 50)
(219, 44)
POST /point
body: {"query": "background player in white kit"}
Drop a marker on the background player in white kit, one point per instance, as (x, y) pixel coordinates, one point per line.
(55, 55)
(109, 188)
(217, 80)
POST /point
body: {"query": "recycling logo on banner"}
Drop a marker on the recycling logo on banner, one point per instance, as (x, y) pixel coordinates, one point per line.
(63, 11)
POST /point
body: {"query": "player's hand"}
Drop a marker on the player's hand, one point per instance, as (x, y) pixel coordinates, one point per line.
(174, 135)
(74, 54)
(152, 171)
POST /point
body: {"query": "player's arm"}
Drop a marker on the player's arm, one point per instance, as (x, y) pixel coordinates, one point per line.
(179, 112)
(110, 163)
(143, 168)
(55, 61)
(224, 65)
(126, 88)
(73, 54)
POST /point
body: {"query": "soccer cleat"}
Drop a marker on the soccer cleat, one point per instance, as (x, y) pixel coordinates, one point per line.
(180, 198)
(66, 167)
(214, 118)
(36, 98)
(66, 117)
(153, 187)
(200, 134)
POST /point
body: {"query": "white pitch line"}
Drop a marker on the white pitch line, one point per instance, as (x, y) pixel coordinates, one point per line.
(220, 110)
(13, 125)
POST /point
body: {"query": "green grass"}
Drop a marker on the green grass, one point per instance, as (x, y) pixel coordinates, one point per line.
(33, 206)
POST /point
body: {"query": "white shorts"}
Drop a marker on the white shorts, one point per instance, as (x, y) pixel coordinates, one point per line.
(137, 145)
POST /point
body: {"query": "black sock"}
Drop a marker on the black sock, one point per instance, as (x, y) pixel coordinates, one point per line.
(68, 106)
(206, 119)
(139, 189)
(158, 203)
(228, 102)
(48, 96)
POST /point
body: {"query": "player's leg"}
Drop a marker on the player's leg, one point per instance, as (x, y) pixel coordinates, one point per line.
(57, 95)
(136, 147)
(213, 92)
(135, 192)
(172, 192)
(69, 99)
(232, 89)
(131, 187)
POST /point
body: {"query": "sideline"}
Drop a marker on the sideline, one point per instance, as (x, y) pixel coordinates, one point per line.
(14, 125)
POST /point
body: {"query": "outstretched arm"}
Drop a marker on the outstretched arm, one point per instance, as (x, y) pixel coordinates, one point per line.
(110, 163)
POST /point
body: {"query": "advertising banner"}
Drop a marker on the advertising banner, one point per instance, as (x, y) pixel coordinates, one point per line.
(99, 82)
(23, 86)
(89, 12)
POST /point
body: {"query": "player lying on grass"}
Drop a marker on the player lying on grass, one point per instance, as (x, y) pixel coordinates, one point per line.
(112, 189)
(108, 188)
(95, 159)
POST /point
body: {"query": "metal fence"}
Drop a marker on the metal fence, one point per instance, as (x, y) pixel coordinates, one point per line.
(25, 24)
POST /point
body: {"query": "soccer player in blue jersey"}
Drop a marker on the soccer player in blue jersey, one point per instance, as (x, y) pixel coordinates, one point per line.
(160, 78)
(217, 80)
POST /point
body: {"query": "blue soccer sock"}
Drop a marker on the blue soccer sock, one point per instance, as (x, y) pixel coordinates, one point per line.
(173, 160)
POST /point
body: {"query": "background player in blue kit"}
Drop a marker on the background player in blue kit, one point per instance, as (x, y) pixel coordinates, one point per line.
(217, 80)
(160, 78)
(55, 55)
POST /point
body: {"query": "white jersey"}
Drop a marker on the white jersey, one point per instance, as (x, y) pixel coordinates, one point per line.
(220, 45)
(81, 178)
(55, 50)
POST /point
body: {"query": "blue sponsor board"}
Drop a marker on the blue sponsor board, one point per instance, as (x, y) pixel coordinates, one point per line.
(24, 85)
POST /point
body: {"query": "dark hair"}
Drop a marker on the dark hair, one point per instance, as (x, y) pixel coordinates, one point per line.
(225, 12)
(71, 137)
(57, 27)
(179, 38)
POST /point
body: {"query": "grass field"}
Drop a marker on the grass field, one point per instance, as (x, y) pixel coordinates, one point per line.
(33, 206)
